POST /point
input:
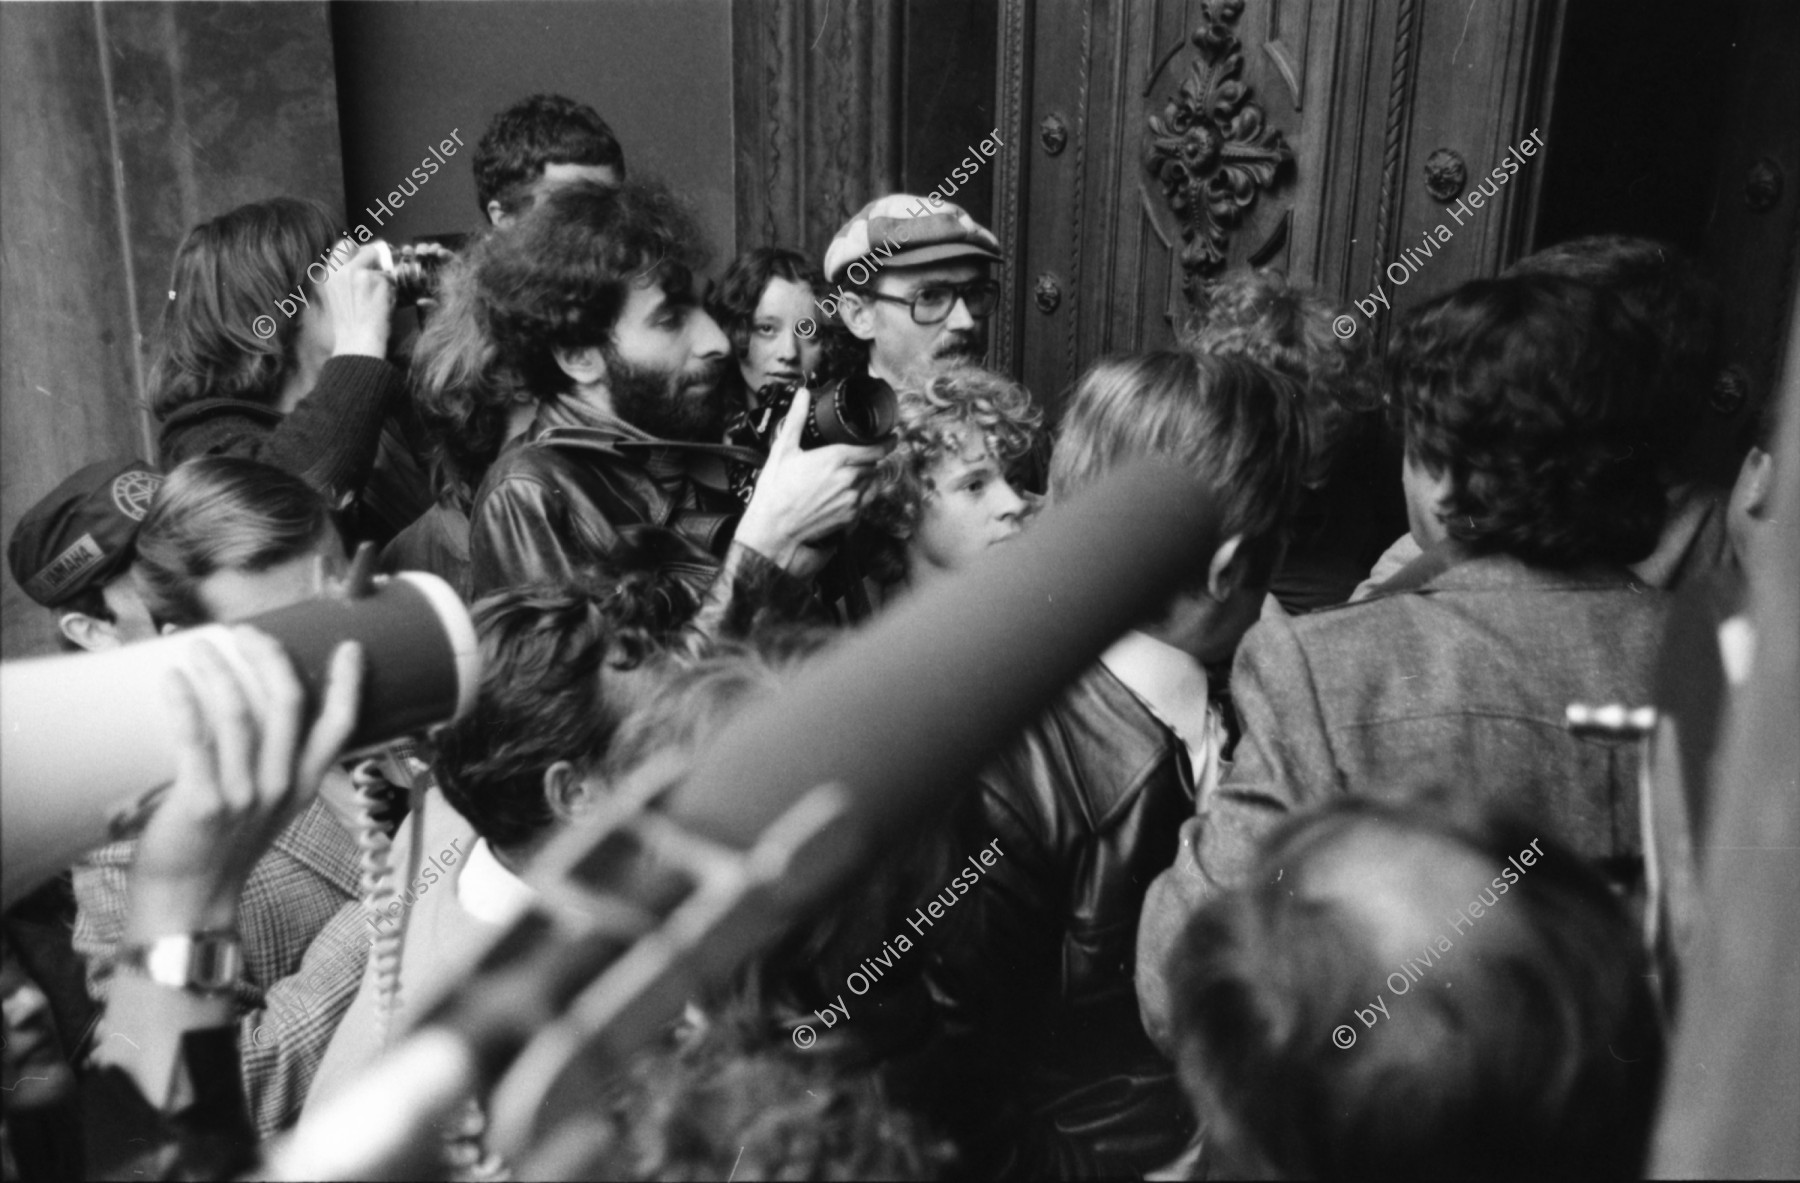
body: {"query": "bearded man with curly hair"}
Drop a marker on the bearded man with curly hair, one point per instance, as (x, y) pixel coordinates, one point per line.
(591, 304)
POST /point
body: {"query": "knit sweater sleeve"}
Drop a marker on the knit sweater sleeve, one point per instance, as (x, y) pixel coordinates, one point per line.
(329, 440)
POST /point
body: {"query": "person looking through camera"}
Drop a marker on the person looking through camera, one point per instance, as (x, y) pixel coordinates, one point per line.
(274, 347)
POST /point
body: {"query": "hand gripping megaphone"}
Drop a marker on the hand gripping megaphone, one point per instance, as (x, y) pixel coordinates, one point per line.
(86, 740)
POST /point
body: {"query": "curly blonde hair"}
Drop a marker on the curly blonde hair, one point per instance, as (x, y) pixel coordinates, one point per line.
(1260, 316)
(950, 405)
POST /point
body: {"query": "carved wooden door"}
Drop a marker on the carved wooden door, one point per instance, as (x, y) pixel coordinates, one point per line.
(1161, 143)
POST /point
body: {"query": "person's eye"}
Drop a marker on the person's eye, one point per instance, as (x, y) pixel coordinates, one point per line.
(767, 329)
(976, 486)
(931, 297)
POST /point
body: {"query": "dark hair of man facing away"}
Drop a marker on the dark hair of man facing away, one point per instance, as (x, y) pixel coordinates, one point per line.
(1704, 414)
(1391, 1006)
(1528, 394)
(534, 133)
(221, 513)
(1661, 287)
(562, 668)
(1532, 480)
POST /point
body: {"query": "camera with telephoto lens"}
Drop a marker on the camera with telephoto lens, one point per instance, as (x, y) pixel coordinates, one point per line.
(858, 409)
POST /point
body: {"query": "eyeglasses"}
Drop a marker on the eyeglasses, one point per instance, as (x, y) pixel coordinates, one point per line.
(932, 304)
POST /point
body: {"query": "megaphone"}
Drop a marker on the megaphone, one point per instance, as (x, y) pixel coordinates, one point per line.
(86, 740)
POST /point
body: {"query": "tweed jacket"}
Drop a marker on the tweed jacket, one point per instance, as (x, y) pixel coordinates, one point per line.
(301, 892)
(1457, 685)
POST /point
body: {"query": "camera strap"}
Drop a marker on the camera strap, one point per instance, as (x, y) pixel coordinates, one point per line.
(590, 439)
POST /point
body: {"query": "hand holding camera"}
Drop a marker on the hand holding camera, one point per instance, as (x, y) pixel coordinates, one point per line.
(805, 493)
(417, 269)
(357, 300)
(858, 409)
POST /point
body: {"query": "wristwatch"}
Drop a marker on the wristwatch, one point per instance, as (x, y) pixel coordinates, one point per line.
(210, 962)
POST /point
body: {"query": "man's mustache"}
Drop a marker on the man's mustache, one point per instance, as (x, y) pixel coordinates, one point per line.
(960, 345)
(709, 374)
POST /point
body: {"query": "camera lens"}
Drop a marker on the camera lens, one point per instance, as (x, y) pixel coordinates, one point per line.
(862, 411)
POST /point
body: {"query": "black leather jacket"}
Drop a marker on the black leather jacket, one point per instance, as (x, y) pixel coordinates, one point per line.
(1054, 1072)
(561, 500)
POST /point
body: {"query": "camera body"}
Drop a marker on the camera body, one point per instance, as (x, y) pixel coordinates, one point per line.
(858, 409)
(416, 276)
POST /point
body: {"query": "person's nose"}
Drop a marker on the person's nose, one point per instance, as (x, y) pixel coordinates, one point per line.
(788, 347)
(1011, 508)
(709, 340)
(960, 318)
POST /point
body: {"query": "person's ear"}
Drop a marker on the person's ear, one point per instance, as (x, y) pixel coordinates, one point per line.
(89, 632)
(168, 630)
(858, 315)
(584, 366)
(497, 214)
(1228, 569)
(1756, 483)
(567, 791)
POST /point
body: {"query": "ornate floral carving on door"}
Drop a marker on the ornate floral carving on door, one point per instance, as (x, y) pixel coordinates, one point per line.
(1210, 148)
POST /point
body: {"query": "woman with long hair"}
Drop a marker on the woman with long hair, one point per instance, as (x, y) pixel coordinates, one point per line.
(274, 345)
(767, 304)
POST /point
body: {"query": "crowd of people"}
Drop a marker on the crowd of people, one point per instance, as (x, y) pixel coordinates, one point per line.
(1284, 806)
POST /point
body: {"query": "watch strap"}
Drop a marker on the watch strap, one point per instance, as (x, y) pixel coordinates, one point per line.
(210, 962)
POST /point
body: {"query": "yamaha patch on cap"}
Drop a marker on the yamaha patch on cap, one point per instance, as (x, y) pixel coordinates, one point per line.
(84, 532)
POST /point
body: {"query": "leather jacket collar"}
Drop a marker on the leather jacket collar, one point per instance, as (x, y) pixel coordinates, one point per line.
(567, 421)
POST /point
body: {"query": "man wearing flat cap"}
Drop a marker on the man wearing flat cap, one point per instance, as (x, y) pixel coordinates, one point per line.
(72, 553)
(913, 281)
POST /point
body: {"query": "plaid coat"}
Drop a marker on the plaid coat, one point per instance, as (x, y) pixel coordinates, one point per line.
(301, 924)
